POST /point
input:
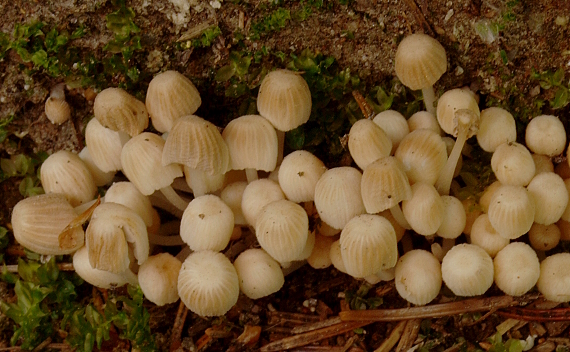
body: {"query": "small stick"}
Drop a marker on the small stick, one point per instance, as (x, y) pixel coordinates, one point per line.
(393, 339)
(540, 315)
(409, 335)
(313, 336)
(315, 326)
(433, 311)
(367, 111)
(175, 341)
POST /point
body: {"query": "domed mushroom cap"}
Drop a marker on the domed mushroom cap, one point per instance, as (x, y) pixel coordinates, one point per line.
(100, 177)
(198, 144)
(258, 194)
(544, 237)
(258, 273)
(127, 194)
(368, 244)
(252, 143)
(542, 163)
(105, 145)
(64, 172)
(100, 278)
(511, 211)
(485, 236)
(423, 154)
(170, 95)
(232, 195)
(298, 175)
(420, 61)
(550, 197)
(368, 142)
(512, 164)
(449, 104)
(208, 283)
(38, 221)
(545, 134)
(207, 224)
(394, 124)
(424, 210)
(158, 278)
(488, 194)
(454, 218)
(516, 269)
(418, 277)
(282, 229)
(424, 120)
(57, 110)
(384, 184)
(118, 110)
(497, 126)
(467, 270)
(554, 280)
(284, 99)
(338, 197)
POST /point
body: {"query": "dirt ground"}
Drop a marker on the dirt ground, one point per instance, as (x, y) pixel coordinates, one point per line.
(493, 47)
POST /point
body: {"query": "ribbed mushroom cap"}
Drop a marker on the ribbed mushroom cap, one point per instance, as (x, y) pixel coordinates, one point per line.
(485, 236)
(420, 61)
(320, 257)
(368, 142)
(282, 228)
(57, 110)
(368, 244)
(118, 110)
(252, 143)
(207, 224)
(545, 134)
(418, 277)
(105, 145)
(452, 101)
(64, 172)
(232, 195)
(497, 126)
(198, 144)
(511, 211)
(424, 210)
(544, 237)
(114, 228)
(208, 283)
(298, 175)
(384, 184)
(550, 197)
(467, 270)
(424, 120)
(512, 164)
(258, 273)
(394, 124)
(554, 280)
(142, 163)
(100, 278)
(158, 278)
(258, 194)
(100, 177)
(338, 197)
(517, 269)
(284, 99)
(127, 194)
(488, 194)
(37, 222)
(423, 154)
(170, 95)
(454, 218)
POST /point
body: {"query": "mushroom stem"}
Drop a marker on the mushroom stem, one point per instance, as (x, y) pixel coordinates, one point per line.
(174, 198)
(251, 174)
(429, 98)
(399, 216)
(167, 235)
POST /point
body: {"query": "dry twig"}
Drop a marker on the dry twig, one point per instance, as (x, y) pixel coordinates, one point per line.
(175, 341)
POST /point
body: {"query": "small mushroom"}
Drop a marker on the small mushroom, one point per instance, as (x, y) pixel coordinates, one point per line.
(517, 269)
(56, 108)
(545, 134)
(512, 164)
(258, 194)
(424, 120)
(298, 175)
(418, 277)
(368, 142)
(100, 278)
(118, 110)
(105, 145)
(554, 280)
(424, 210)
(158, 278)
(497, 126)
(467, 270)
(485, 236)
(550, 197)
(544, 237)
(511, 211)
(394, 124)
(258, 273)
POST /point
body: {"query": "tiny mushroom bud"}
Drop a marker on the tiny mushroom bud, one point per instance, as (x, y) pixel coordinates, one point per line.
(544, 237)
(545, 134)
(56, 108)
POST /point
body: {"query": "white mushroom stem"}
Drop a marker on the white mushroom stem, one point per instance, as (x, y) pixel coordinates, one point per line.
(466, 127)
(58, 92)
(174, 198)
(168, 235)
(251, 174)
(429, 98)
(399, 216)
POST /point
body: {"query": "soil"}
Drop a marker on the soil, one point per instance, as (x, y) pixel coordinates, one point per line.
(361, 35)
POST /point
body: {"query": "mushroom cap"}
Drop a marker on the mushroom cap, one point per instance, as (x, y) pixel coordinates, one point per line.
(511, 211)
(467, 270)
(368, 142)
(420, 61)
(394, 124)
(207, 223)
(141, 158)
(424, 210)
(284, 99)
(158, 278)
(336, 257)
(37, 222)
(282, 229)
(258, 194)
(118, 110)
(338, 197)
(485, 236)
(517, 269)
(100, 177)
(258, 273)
(127, 194)
(384, 184)
(423, 154)
(544, 237)
(232, 195)
(320, 257)
(424, 120)
(454, 218)
(449, 104)
(566, 215)
(170, 95)
(497, 126)
(64, 172)
(512, 164)
(208, 283)
(198, 144)
(105, 145)
(487, 195)
(542, 163)
(368, 244)
(418, 277)
(545, 134)
(57, 110)
(100, 278)
(252, 143)
(554, 280)
(298, 175)
(550, 197)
